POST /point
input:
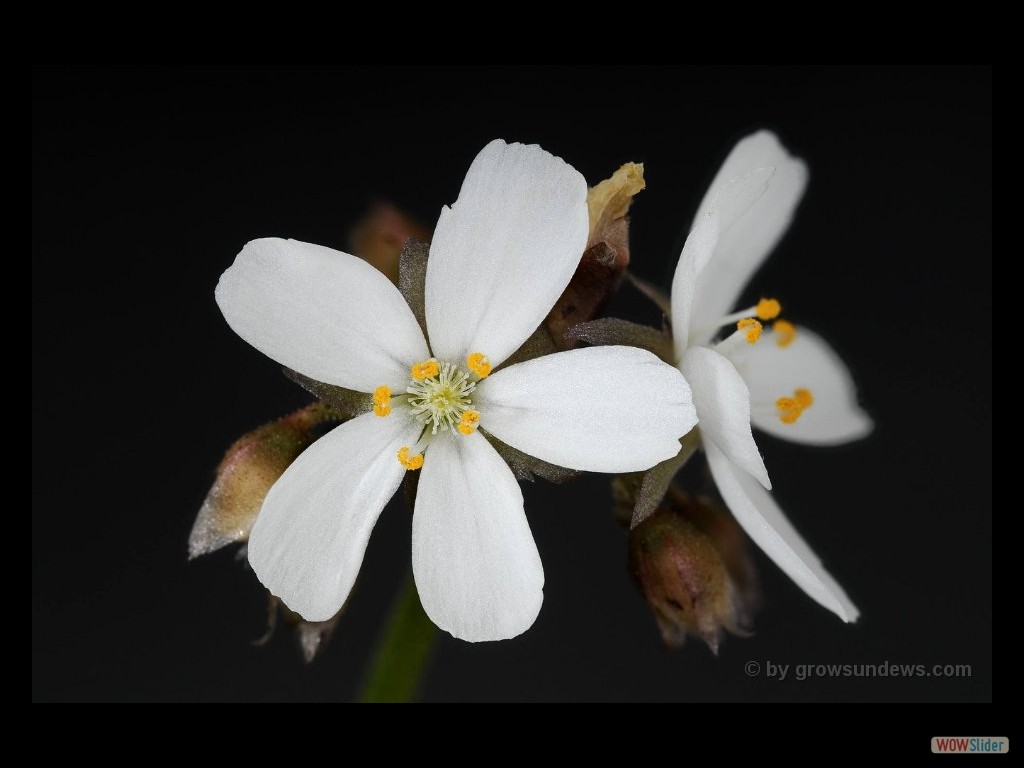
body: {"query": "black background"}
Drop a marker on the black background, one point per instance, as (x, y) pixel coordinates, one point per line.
(147, 182)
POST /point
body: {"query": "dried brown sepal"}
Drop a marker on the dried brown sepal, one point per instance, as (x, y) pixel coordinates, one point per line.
(683, 576)
(311, 636)
(539, 344)
(345, 403)
(378, 237)
(412, 279)
(625, 488)
(526, 467)
(250, 467)
(606, 257)
(657, 480)
(608, 201)
(612, 330)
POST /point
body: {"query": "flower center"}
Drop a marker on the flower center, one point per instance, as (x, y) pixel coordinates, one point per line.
(440, 395)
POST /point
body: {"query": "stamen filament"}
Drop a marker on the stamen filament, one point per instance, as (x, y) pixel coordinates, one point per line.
(765, 309)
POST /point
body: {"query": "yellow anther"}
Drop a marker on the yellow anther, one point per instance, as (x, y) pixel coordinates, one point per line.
(752, 328)
(428, 369)
(768, 309)
(479, 363)
(409, 462)
(805, 397)
(785, 332)
(469, 422)
(382, 400)
(791, 408)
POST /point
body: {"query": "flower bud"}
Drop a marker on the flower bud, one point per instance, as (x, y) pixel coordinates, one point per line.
(249, 468)
(378, 237)
(680, 557)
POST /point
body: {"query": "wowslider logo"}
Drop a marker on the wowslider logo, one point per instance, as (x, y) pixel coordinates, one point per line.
(978, 745)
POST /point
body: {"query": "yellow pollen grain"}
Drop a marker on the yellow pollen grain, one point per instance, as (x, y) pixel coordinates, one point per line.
(805, 397)
(469, 422)
(752, 328)
(382, 400)
(409, 462)
(428, 369)
(479, 363)
(785, 332)
(768, 309)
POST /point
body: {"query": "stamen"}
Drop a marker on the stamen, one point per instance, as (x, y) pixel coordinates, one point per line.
(752, 329)
(428, 369)
(469, 422)
(791, 408)
(382, 400)
(785, 332)
(479, 363)
(409, 462)
(768, 309)
(765, 309)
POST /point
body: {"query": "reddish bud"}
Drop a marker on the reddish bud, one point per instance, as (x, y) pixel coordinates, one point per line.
(249, 468)
(680, 557)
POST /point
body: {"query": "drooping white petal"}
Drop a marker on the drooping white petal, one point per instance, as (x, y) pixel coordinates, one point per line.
(504, 252)
(810, 363)
(723, 407)
(321, 312)
(308, 541)
(699, 247)
(600, 409)
(763, 520)
(476, 565)
(747, 233)
(730, 203)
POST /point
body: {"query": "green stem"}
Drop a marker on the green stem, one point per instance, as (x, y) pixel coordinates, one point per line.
(403, 651)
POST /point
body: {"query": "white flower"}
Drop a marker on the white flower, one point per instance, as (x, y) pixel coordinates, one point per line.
(790, 383)
(500, 258)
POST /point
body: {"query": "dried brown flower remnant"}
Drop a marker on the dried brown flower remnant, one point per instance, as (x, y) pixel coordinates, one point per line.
(606, 257)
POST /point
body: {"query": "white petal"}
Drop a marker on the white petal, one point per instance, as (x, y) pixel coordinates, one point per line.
(748, 233)
(321, 312)
(810, 363)
(504, 252)
(600, 409)
(756, 510)
(698, 249)
(308, 541)
(477, 569)
(723, 407)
